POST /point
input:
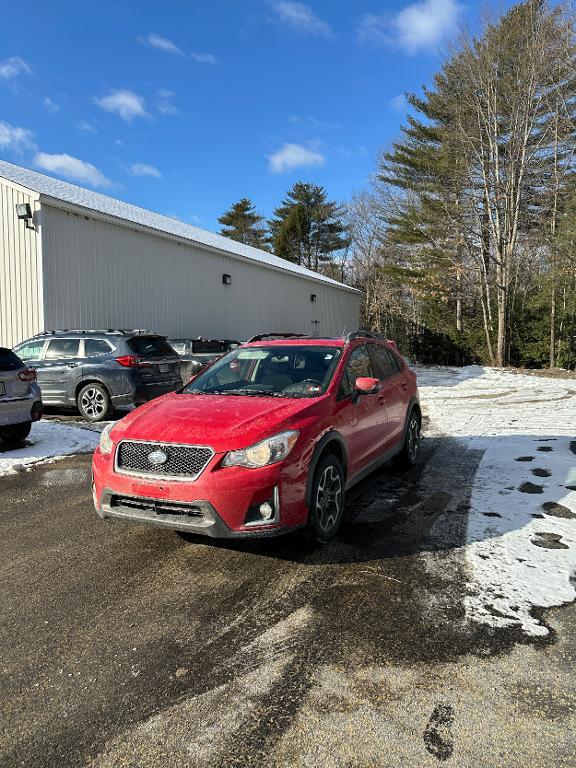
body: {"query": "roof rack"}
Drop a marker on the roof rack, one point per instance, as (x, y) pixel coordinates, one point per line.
(261, 336)
(364, 335)
(107, 331)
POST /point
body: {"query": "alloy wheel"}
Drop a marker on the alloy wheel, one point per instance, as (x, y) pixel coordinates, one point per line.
(93, 403)
(329, 499)
(413, 438)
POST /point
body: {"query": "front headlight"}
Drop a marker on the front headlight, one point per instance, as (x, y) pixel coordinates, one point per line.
(106, 443)
(269, 451)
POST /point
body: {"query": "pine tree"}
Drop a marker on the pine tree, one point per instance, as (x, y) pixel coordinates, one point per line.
(241, 222)
(474, 185)
(308, 228)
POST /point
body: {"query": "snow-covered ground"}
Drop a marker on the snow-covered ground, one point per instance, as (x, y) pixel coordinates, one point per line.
(47, 442)
(521, 538)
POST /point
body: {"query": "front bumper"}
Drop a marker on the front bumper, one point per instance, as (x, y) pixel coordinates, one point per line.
(200, 517)
(216, 504)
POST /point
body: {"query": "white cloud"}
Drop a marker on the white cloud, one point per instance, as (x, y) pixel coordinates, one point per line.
(162, 44)
(50, 105)
(85, 126)
(204, 58)
(164, 103)
(398, 103)
(301, 18)
(143, 169)
(71, 168)
(14, 139)
(168, 46)
(291, 156)
(125, 103)
(14, 66)
(419, 26)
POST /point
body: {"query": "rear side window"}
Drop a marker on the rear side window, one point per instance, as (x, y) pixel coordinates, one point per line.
(385, 363)
(31, 351)
(62, 348)
(9, 361)
(206, 347)
(358, 365)
(95, 347)
(150, 346)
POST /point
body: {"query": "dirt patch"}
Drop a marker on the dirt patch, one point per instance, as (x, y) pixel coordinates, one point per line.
(554, 509)
(549, 541)
(529, 487)
(540, 472)
(438, 734)
(546, 373)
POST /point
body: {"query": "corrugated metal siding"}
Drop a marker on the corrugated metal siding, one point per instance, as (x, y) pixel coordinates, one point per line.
(20, 269)
(98, 274)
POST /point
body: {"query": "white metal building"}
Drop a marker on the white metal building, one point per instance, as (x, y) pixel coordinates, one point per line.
(85, 260)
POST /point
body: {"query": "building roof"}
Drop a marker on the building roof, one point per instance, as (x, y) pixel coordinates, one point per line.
(54, 191)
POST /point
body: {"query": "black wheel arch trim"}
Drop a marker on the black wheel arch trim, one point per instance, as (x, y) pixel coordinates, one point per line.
(329, 437)
(414, 402)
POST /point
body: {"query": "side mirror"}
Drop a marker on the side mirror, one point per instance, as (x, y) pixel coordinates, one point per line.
(366, 385)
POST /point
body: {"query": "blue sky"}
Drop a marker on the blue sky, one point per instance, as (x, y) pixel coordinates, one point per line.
(183, 106)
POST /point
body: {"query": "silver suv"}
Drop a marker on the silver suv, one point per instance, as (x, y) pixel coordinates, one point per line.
(20, 398)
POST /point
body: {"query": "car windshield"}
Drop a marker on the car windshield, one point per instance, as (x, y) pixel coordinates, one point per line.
(275, 371)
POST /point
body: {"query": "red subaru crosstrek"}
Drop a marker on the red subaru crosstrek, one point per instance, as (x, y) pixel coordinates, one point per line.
(265, 440)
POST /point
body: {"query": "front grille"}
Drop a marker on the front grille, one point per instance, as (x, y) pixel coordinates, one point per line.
(182, 461)
(155, 506)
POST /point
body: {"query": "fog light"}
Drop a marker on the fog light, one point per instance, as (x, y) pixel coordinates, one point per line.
(266, 510)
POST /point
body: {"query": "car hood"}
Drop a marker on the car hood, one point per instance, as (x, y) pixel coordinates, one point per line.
(224, 422)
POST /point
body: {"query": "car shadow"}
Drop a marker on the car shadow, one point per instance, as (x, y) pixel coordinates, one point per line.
(462, 489)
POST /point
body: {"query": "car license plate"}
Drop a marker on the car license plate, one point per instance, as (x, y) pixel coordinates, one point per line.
(164, 367)
(2, 389)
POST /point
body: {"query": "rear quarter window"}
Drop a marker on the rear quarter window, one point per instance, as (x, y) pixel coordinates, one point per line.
(151, 346)
(96, 347)
(9, 361)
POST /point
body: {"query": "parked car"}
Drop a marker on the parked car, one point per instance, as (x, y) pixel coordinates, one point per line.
(196, 354)
(99, 370)
(264, 441)
(20, 398)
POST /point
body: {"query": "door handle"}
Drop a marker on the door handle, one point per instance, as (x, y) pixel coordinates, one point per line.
(404, 385)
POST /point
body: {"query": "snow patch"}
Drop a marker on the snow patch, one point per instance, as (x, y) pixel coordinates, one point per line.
(47, 442)
(521, 537)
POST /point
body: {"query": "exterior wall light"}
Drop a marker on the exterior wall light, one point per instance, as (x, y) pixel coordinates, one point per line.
(24, 213)
(227, 279)
(312, 297)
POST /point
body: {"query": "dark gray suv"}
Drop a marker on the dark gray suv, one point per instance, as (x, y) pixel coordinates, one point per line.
(98, 370)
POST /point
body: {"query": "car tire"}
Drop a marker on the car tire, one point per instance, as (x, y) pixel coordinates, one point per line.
(16, 433)
(408, 455)
(94, 402)
(326, 500)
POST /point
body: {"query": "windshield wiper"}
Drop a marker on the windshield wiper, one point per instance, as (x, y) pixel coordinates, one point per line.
(256, 392)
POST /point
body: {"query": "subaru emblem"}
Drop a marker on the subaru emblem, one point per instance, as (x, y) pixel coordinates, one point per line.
(157, 457)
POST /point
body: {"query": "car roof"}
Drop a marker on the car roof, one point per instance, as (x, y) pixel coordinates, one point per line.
(297, 341)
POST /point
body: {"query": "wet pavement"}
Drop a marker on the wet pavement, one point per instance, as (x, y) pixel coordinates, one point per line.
(130, 646)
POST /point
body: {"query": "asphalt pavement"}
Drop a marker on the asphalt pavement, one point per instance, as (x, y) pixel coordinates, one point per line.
(130, 646)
